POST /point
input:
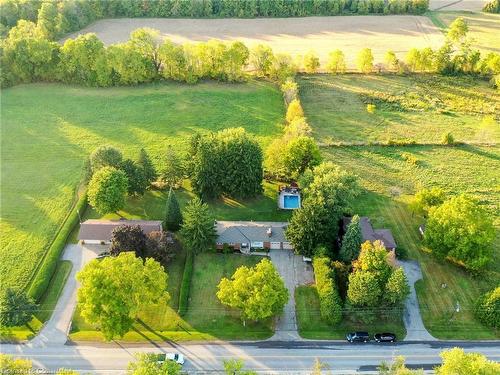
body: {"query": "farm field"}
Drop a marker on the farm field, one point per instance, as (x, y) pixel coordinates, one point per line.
(48, 130)
(484, 28)
(419, 108)
(206, 317)
(469, 5)
(295, 36)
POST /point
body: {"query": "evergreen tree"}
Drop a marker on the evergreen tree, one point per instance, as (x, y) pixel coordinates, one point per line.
(173, 215)
(16, 308)
(137, 183)
(198, 229)
(147, 167)
(172, 172)
(351, 243)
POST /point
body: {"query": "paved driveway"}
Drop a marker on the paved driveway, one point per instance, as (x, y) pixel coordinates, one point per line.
(294, 272)
(56, 330)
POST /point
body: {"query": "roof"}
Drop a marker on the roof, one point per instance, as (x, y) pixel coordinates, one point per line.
(101, 230)
(372, 235)
(250, 231)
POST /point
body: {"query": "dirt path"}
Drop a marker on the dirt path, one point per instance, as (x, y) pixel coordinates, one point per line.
(295, 36)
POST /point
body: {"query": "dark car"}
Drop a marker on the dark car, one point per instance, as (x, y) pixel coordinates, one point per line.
(385, 337)
(358, 337)
(103, 255)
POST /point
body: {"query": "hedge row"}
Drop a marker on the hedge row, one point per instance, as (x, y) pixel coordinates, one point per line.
(48, 266)
(186, 284)
(329, 299)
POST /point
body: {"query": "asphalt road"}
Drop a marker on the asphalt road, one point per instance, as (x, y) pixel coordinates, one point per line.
(269, 357)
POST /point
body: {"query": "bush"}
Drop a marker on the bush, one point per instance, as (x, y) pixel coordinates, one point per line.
(370, 108)
(48, 266)
(329, 299)
(487, 308)
(492, 7)
(186, 284)
(448, 139)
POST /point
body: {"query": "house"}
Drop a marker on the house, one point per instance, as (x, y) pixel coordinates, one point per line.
(289, 197)
(370, 234)
(100, 231)
(251, 235)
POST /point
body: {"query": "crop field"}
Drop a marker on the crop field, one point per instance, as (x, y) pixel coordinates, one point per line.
(295, 36)
(419, 108)
(48, 130)
(469, 5)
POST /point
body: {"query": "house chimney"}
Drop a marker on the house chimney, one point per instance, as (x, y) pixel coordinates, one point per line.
(269, 231)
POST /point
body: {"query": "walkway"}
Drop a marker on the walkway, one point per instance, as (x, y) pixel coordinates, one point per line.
(55, 331)
(415, 329)
(294, 272)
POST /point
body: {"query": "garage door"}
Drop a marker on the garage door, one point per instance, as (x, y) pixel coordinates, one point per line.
(287, 246)
(275, 245)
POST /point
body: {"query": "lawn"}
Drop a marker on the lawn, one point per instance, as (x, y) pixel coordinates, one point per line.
(311, 326)
(206, 317)
(420, 108)
(48, 130)
(484, 28)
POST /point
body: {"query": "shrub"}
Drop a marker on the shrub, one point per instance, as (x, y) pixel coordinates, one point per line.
(329, 299)
(492, 6)
(294, 110)
(290, 90)
(48, 266)
(447, 139)
(370, 108)
(186, 284)
(487, 308)
(410, 158)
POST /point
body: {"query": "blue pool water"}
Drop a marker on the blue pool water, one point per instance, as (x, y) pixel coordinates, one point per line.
(291, 201)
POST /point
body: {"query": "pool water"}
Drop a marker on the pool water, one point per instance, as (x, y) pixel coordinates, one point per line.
(291, 201)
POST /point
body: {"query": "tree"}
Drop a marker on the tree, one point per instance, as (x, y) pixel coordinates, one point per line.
(311, 62)
(147, 42)
(11, 365)
(336, 62)
(113, 291)
(398, 367)
(197, 230)
(462, 230)
(47, 16)
(16, 308)
(235, 367)
(282, 67)
(447, 139)
(258, 292)
(426, 198)
(457, 31)
(105, 156)
(374, 258)
(318, 367)
(235, 60)
(147, 166)
(364, 289)
(397, 288)
(148, 364)
(290, 90)
(128, 238)
(329, 299)
(457, 362)
(487, 308)
(172, 172)
(160, 246)
(107, 189)
(137, 183)
(173, 214)
(129, 66)
(391, 61)
(413, 59)
(300, 154)
(261, 58)
(351, 242)
(294, 111)
(364, 61)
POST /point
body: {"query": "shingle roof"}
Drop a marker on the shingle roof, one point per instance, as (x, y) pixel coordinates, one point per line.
(250, 231)
(369, 234)
(101, 230)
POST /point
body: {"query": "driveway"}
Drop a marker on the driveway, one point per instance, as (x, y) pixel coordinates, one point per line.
(56, 330)
(415, 329)
(294, 272)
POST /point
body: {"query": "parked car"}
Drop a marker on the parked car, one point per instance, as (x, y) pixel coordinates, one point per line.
(179, 358)
(384, 337)
(103, 255)
(358, 337)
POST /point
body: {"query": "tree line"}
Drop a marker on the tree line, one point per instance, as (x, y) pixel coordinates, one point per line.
(60, 17)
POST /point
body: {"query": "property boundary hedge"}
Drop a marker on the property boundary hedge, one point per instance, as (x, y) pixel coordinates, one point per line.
(329, 299)
(186, 284)
(44, 274)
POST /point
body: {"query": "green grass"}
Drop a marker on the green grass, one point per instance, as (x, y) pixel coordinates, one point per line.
(311, 326)
(48, 130)
(206, 318)
(45, 308)
(421, 108)
(484, 28)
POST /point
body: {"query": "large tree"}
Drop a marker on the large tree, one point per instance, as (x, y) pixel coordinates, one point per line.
(300, 154)
(160, 246)
(105, 156)
(137, 183)
(487, 308)
(147, 42)
(294, 110)
(258, 292)
(426, 198)
(173, 214)
(16, 308)
(311, 62)
(397, 288)
(115, 289)
(198, 227)
(147, 166)
(107, 189)
(457, 362)
(336, 62)
(364, 289)
(47, 17)
(462, 230)
(11, 365)
(364, 61)
(148, 364)
(351, 242)
(128, 238)
(172, 171)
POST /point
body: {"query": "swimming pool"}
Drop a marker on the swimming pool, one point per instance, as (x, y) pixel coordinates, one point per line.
(291, 202)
